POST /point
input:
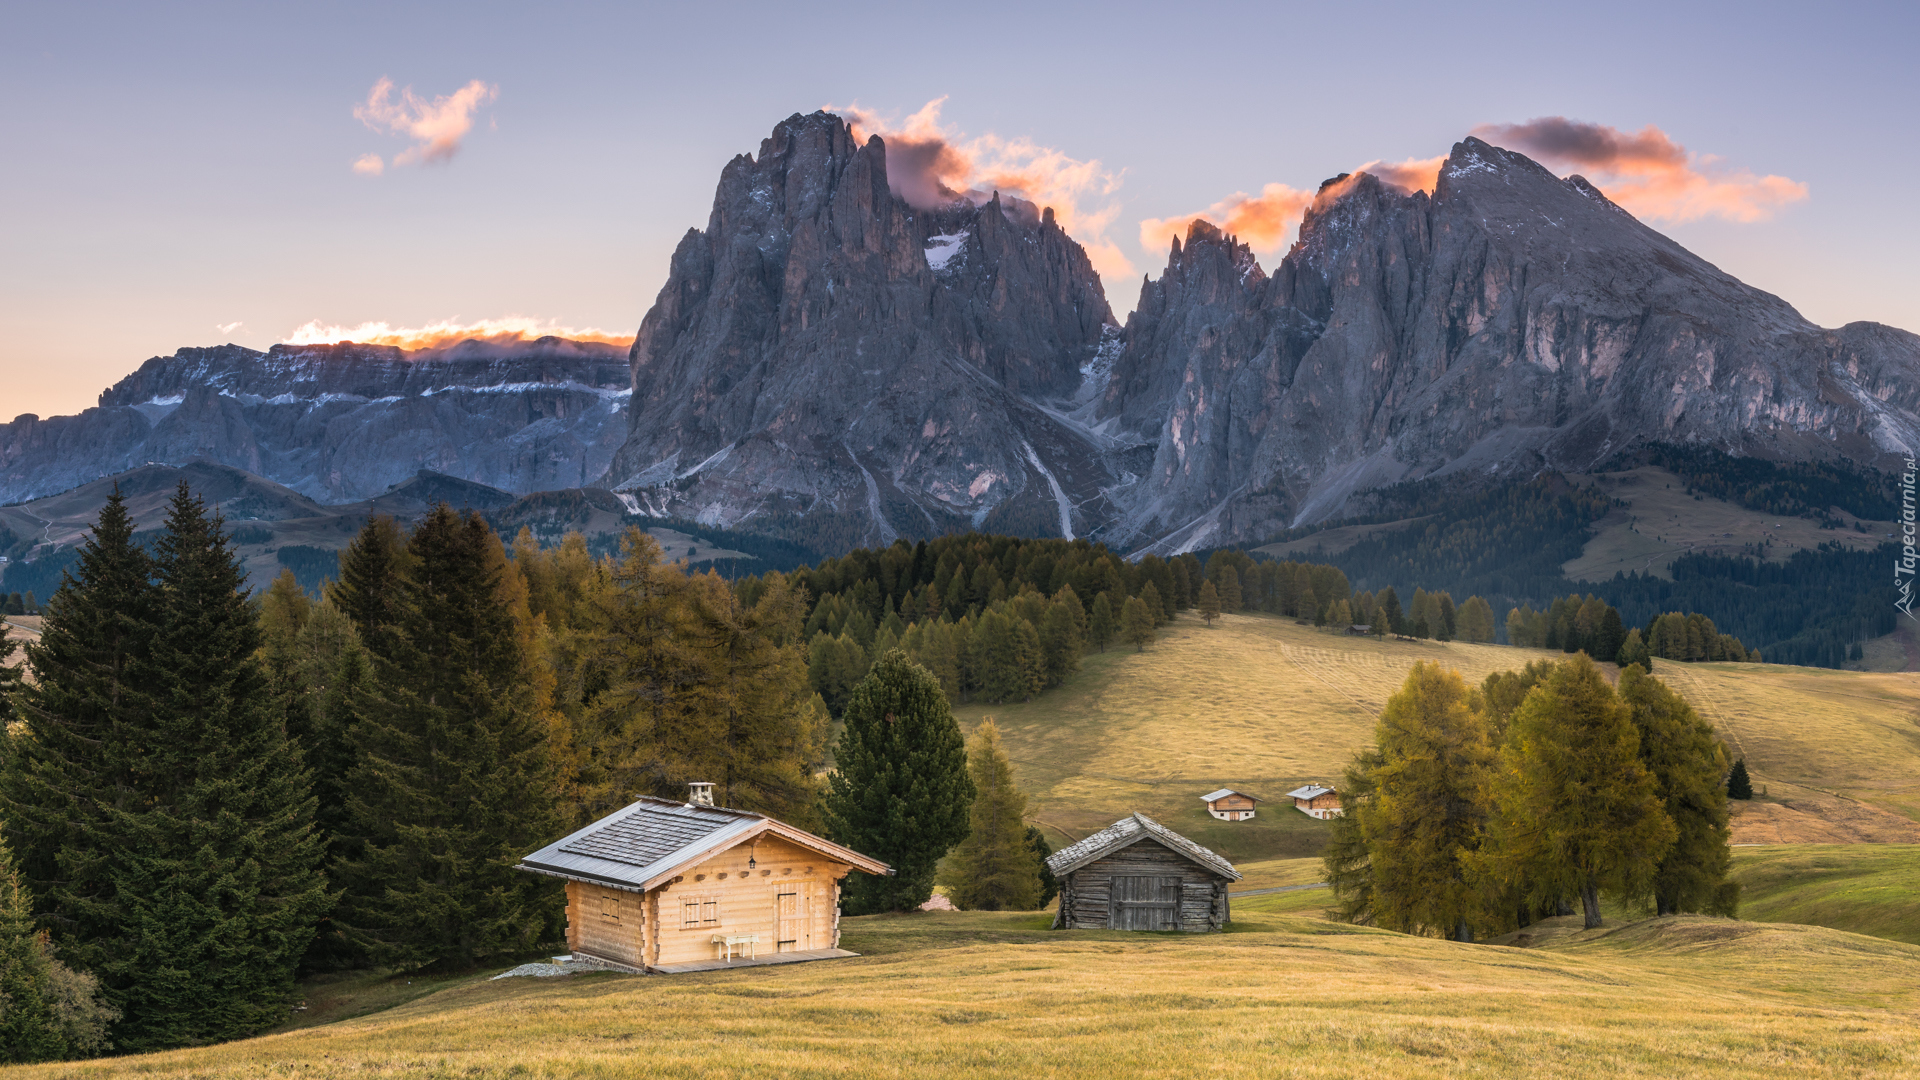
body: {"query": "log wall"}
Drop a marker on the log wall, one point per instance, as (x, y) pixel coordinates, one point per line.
(1086, 896)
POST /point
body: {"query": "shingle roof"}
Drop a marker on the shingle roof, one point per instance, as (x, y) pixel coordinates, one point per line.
(1128, 831)
(647, 842)
(1311, 791)
(1226, 791)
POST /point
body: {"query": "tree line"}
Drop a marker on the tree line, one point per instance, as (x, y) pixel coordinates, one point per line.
(1479, 810)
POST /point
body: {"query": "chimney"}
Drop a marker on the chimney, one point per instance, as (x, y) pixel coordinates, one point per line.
(699, 793)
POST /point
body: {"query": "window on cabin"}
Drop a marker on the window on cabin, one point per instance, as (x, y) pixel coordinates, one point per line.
(699, 911)
(609, 906)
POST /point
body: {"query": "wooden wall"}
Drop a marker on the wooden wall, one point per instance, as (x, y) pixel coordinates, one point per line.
(790, 898)
(1086, 896)
(606, 922)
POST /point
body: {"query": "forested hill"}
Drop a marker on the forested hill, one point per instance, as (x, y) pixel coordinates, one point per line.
(1509, 545)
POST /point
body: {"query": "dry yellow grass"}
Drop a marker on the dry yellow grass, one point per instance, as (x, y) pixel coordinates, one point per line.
(1264, 704)
(976, 994)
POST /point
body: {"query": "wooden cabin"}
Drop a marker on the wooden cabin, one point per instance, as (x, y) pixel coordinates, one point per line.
(666, 886)
(1137, 874)
(1359, 629)
(1230, 805)
(1316, 801)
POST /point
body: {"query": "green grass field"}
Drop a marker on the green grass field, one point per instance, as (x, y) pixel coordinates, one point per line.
(1867, 888)
(977, 994)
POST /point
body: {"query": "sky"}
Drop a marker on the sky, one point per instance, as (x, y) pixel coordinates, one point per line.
(184, 175)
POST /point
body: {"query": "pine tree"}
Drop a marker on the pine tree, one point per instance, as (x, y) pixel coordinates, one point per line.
(1137, 624)
(1391, 617)
(900, 790)
(1608, 637)
(368, 592)
(994, 868)
(1576, 811)
(1429, 806)
(1209, 602)
(1348, 857)
(1686, 760)
(454, 778)
(1060, 639)
(1447, 626)
(1150, 595)
(1739, 784)
(28, 1030)
(219, 865)
(70, 775)
(1100, 623)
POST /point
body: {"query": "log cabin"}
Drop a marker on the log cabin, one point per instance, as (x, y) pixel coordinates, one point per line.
(1316, 801)
(663, 886)
(1230, 805)
(1137, 874)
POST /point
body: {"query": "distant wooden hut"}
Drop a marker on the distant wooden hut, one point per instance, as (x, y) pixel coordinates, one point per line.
(1359, 629)
(1316, 801)
(666, 886)
(1137, 874)
(1230, 805)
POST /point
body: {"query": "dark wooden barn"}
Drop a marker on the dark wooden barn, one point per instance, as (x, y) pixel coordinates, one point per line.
(1137, 874)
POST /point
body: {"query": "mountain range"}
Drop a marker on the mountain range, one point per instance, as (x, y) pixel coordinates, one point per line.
(832, 363)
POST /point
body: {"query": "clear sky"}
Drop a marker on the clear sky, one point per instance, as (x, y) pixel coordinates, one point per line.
(173, 170)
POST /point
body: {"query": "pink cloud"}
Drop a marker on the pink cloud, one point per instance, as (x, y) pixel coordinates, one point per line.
(1647, 172)
(436, 127)
(930, 166)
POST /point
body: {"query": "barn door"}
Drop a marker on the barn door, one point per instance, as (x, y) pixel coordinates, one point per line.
(1144, 903)
(793, 916)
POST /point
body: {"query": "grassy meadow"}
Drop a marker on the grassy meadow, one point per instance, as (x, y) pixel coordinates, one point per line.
(1265, 704)
(980, 994)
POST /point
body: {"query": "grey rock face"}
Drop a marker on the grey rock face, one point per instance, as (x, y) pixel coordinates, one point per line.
(827, 360)
(1510, 322)
(340, 423)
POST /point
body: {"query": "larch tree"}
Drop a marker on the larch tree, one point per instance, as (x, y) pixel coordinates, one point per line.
(899, 791)
(1136, 622)
(1686, 760)
(1576, 812)
(218, 864)
(454, 778)
(1229, 586)
(1475, 620)
(1428, 809)
(995, 867)
(1209, 605)
(1101, 625)
(1348, 858)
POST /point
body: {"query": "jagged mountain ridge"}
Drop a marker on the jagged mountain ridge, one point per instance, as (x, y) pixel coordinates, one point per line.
(827, 358)
(344, 422)
(1508, 323)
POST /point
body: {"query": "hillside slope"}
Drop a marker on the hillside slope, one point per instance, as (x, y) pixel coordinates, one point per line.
(1265, 704)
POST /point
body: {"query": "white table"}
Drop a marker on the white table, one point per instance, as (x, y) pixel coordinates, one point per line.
(729, 942)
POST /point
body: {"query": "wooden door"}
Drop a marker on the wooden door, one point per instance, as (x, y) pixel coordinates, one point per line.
(1144, 903)
(793, 914)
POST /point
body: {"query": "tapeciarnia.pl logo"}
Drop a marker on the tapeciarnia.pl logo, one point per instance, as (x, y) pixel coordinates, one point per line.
(1903, 567)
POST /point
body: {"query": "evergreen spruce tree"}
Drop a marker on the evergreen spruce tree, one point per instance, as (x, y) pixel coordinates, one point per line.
(1037, 842)
(1101, 626)
(218, 877)
(994, 868)
(1136, 623)
(1447, 626)
(1209, 602)
(1609, 637)
(368, 591)
(454, 778)
(1348, 857)
(1429, 807)
(1060, 639)
(68, 777)
(1686, 760)
(1739, 784)
(1150, 595)
(1391, 617)
(1575, 810)
(900, 790)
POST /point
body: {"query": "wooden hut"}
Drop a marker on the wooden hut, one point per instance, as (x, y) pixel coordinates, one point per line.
(666, 886)
(1316, 801)
(1230, 805)
(1137, 874)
